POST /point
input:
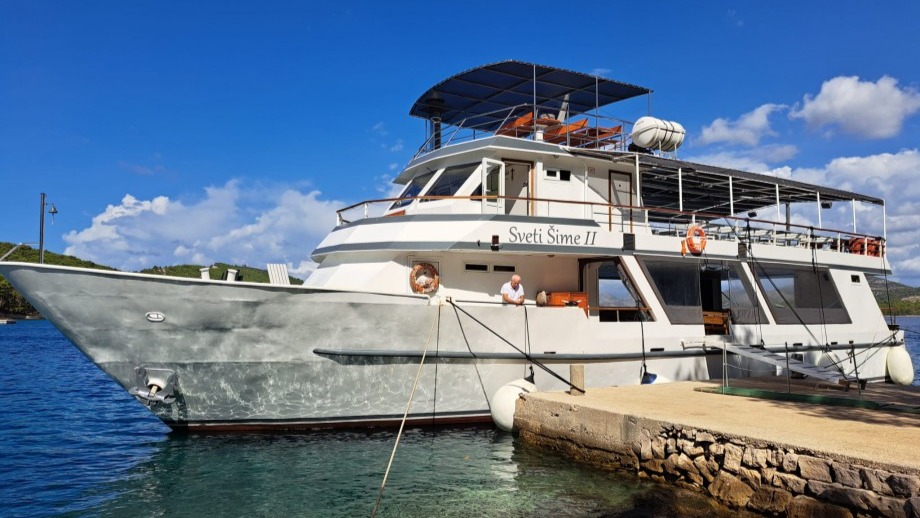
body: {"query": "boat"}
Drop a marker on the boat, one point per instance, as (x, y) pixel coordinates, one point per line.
(636, 265)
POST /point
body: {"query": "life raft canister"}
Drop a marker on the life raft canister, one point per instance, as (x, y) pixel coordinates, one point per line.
(696, 239)
(424, 278)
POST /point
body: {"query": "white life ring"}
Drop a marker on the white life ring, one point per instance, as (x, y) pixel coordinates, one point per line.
(424, 278)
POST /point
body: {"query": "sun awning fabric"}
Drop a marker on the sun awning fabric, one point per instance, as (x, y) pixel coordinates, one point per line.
(484, 97)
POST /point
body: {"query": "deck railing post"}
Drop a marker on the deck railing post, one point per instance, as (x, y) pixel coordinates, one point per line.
(788, 379)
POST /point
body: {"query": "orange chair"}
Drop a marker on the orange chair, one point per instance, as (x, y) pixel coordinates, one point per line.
(593, 137)
(520, 127)
(557, 134)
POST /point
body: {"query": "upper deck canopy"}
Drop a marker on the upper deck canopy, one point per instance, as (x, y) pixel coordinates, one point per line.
(484, 97)
(717, 190)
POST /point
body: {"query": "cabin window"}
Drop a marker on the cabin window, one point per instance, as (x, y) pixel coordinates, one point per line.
(558, 174)
(616, 299)
(451, 180)
(854, 279)
(415, 186)
(502, 268)
(798, 295)
(472, 267)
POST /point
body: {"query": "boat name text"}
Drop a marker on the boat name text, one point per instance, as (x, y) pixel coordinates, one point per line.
(551, 236)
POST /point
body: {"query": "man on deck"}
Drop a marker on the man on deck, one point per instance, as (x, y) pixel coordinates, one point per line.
(513, 291)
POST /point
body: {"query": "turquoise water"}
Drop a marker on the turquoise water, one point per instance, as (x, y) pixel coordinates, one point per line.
(73, 443)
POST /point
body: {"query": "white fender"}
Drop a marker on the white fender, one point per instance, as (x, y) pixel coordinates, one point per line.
(899, 366)
(504, 400)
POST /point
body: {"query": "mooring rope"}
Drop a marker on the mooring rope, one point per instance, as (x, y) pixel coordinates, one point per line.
(485, 395)
(402, 424)
(528, 357)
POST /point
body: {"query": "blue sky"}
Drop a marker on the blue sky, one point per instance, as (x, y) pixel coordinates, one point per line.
(192, 132)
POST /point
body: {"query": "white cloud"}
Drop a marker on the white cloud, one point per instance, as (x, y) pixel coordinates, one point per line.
(887, 175)
(890, 176)
(755, 160)
(380, 129)
(862, 108)
(386, 187)
(747, 130)
(731, 160)
(600, 72)
(234, 223)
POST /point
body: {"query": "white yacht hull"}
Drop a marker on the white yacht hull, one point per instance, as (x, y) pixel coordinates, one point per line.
(253, 355)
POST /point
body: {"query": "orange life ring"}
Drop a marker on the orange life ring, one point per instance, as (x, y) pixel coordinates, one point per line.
(424, 278)
(696, 239)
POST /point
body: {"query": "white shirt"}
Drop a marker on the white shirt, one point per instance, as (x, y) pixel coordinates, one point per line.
(512, 293)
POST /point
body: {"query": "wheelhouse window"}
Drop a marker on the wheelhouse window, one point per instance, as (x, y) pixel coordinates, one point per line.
(451, 180)
(412, 190)
(798, 295)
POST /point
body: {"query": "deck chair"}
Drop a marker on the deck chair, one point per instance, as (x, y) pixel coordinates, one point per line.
(278, 274)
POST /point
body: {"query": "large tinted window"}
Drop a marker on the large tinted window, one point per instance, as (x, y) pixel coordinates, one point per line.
(451, 180)
(415, 186)
(677, 285)
(799, 295)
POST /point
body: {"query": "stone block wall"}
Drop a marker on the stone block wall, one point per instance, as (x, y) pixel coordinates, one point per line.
(738, 472)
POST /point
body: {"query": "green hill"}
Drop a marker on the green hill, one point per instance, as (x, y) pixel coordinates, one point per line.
(13, 305)
(218, 271)
(905, 300)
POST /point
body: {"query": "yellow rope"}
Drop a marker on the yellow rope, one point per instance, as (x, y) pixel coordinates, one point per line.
(405, 414)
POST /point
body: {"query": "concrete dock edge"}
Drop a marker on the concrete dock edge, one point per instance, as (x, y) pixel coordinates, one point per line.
(769, 457)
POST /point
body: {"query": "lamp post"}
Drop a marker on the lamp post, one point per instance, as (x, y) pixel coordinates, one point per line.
(41, 227)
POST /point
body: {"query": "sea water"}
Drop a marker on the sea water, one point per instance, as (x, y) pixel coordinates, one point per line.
(73, 443)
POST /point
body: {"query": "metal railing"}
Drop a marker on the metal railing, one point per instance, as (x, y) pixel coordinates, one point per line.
(630, 218)
(535, 122)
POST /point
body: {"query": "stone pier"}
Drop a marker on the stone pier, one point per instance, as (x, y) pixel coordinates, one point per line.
(777, 458)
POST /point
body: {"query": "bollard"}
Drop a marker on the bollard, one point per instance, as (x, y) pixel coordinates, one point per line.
(577, 379)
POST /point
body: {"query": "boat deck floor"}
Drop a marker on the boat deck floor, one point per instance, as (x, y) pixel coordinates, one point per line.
(883, 432)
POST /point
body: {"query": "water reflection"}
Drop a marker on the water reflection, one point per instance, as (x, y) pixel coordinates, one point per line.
(96, 452)
(445, 472)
